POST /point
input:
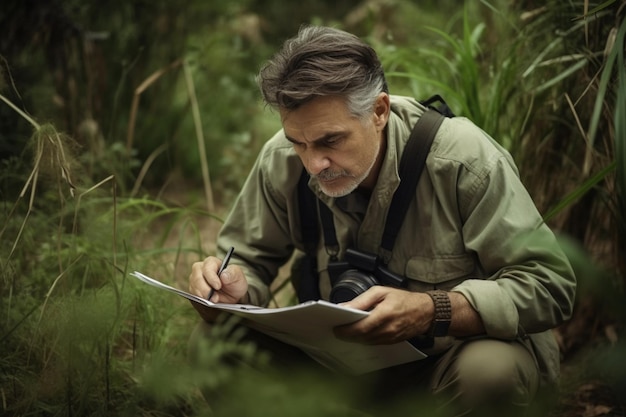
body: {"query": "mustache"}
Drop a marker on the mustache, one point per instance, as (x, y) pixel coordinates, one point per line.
(328, 175)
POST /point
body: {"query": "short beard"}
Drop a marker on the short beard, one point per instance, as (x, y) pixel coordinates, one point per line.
(352, 185)
(327, 175)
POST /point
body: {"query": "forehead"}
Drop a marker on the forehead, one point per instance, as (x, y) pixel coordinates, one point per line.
(326, 112)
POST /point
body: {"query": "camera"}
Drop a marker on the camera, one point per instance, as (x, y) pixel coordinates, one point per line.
(358, 272)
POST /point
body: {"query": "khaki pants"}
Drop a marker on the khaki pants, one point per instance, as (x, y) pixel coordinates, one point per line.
(480, 376)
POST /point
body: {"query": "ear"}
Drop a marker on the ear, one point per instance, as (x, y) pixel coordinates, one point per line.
(382, 107)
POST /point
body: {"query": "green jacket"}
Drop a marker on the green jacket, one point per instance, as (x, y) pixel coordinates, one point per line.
(473, 229)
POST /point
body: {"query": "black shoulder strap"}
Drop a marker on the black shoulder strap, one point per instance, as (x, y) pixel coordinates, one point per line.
(441, 108)
(411, 166)
(305, 282)
(307, 206)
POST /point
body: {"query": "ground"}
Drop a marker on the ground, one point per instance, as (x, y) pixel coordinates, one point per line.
(592, 386)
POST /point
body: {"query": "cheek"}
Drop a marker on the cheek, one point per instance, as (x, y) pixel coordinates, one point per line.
(368, 152)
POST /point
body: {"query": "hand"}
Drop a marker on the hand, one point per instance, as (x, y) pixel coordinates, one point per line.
(395, 315)
(230, 287)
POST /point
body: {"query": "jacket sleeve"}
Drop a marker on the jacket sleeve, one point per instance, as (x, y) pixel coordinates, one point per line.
(530, 284)
(260, 223)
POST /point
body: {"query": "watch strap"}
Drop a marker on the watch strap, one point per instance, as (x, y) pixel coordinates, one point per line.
(443, 313)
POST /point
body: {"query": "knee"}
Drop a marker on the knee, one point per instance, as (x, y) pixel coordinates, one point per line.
(491, 376)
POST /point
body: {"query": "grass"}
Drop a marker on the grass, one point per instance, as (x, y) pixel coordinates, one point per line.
(79, 337)
(77, 334)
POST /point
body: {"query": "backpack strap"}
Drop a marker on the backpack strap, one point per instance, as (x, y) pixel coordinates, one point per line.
(442, 107)
(410, 169)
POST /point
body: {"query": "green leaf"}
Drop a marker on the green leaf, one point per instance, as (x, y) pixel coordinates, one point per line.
(580, 191)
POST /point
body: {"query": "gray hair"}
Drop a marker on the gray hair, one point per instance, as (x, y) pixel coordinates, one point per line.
(323, 61)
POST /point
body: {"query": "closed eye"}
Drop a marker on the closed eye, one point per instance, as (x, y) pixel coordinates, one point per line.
(330, 140)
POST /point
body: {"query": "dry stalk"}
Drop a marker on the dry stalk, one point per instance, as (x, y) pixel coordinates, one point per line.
(145, 167)
(80, 196)
(208, 192)
(138, 92)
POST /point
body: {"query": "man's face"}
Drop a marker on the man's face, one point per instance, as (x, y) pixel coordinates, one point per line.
(341, 151)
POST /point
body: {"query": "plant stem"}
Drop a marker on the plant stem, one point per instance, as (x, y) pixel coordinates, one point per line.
(20, 112)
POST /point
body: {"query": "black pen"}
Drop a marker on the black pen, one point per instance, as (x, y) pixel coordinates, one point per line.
(222, 267)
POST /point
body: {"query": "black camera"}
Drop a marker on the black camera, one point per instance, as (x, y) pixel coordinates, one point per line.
(358, 272)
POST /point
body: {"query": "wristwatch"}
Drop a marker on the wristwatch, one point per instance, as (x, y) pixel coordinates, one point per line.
(443, 313)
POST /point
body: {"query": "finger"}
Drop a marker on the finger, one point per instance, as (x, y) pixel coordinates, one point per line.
(367, 300)
(197, 284)
(217, 294)
(209, 272)
(234, 284)
(203, 278)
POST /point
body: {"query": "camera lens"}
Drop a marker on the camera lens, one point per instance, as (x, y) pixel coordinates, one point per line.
(350, 284)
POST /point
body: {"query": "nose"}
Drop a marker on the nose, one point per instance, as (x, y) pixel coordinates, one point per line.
(315, 161)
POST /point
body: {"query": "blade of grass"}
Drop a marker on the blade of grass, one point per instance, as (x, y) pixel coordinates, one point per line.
(20, 112)
(540, 59)
(467, 66)
(580, 191)
(146, 166)
(575, 113)
(32, 178)
(79, 199)
(446, 89)
(605, 78)
(199, 136)
(596, 9)
(620, 134)
(130, 134)
(561, 76)
(32, 182)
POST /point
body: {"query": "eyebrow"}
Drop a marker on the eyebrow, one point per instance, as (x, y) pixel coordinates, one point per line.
(321, 139)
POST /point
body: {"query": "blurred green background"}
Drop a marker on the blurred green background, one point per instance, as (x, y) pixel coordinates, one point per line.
(127, 128)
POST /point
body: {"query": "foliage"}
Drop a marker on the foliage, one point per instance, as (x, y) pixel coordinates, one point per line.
(77, 335)
(537, 102)
(97, 61)
(80, 209)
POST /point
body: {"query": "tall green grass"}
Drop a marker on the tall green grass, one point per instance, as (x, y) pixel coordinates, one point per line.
(540, 91)
(79, 337)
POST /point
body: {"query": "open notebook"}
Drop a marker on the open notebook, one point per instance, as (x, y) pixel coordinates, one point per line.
(309, 326)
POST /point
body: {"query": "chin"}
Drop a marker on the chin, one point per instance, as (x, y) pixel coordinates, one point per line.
(338, 191)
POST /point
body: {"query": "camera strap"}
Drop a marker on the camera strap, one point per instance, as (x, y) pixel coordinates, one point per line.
(410, 169)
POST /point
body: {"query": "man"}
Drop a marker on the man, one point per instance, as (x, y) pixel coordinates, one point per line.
(471, 233)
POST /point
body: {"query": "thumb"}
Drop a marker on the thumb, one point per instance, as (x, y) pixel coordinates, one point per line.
(231, 274)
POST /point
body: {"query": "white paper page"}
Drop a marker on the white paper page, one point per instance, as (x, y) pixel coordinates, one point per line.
(309, 326)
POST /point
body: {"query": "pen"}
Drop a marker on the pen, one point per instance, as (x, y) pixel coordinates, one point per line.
(222, 267)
